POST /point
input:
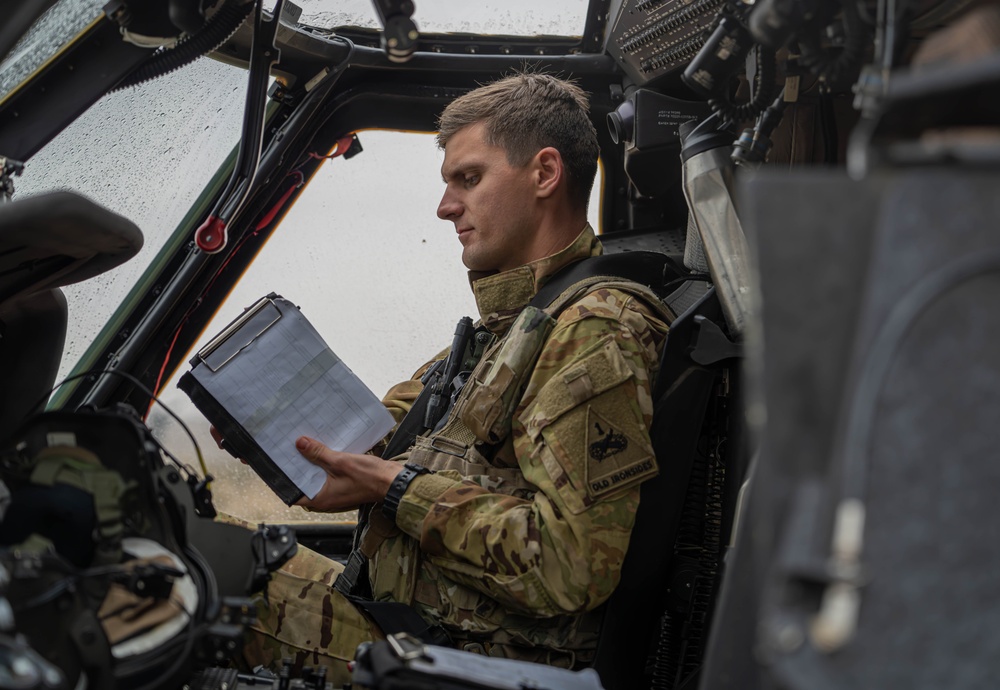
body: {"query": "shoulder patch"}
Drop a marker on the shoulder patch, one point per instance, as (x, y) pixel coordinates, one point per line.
(614, 459)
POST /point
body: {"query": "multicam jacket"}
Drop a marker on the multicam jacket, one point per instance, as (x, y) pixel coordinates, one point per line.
(518, 537)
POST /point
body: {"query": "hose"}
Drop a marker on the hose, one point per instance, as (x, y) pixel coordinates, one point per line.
(764, 91)
(217, 31)
(829, 68)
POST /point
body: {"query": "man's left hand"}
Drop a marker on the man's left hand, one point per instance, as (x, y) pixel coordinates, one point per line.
(351, 479)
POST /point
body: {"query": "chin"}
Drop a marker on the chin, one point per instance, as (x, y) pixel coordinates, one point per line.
(473, 262)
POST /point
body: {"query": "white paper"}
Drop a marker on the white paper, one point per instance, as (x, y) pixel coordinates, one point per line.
(288, 383)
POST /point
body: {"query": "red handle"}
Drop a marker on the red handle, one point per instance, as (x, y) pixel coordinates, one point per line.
(211, 236)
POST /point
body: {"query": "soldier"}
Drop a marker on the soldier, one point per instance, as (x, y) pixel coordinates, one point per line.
(507, 524)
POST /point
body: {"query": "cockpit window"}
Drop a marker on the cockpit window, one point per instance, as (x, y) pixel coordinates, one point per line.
(508, 18)
(50, 33)
(145, 153)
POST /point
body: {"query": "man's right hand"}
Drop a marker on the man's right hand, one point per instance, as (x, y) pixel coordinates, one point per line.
(351, 479)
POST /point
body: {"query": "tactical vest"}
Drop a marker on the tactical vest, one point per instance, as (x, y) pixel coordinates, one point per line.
(475, 444)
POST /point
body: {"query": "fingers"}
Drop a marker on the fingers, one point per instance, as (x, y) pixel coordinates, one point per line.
(351, 480)
(318, 454)
(221, 443)
(217, 435)
(312, 450)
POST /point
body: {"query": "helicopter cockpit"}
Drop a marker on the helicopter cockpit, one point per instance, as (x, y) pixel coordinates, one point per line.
(818, 174)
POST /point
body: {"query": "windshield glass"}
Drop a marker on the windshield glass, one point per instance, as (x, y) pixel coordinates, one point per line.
(510, 18)
(145, 153)
(50, 33)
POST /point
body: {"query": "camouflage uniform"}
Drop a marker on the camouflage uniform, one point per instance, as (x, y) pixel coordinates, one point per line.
(518, 537)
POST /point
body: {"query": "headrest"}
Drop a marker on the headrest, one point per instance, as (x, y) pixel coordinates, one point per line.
(57, 239)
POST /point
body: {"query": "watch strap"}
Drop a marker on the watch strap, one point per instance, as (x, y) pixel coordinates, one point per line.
(390, 504)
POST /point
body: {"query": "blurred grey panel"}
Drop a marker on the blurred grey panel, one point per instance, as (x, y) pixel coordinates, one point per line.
(811, 234)
(879, 369)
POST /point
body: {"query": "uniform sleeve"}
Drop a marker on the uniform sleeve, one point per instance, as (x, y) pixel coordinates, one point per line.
(581, 436)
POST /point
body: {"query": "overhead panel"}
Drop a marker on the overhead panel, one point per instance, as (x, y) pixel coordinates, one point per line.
(653, 39)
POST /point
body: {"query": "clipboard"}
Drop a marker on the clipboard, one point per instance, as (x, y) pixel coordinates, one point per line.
(268, 378)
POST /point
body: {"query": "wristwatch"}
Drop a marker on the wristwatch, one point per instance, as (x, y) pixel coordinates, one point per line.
(390, 504)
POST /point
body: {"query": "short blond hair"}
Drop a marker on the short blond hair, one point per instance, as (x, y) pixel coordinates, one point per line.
(526, 112)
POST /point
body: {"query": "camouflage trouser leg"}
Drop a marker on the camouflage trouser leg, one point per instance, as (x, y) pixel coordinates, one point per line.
(306, 620)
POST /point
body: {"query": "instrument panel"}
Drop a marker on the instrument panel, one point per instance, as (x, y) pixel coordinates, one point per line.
(652, 39)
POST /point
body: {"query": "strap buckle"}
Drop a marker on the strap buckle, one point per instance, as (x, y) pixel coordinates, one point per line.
(347, 579)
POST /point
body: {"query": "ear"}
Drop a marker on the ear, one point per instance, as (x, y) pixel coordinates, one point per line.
(549, 172)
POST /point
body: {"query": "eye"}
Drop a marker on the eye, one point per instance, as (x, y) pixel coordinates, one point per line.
(471, 180)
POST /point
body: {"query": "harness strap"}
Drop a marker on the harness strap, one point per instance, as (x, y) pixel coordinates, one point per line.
(413, 422)
(650, 269)
(393, 617)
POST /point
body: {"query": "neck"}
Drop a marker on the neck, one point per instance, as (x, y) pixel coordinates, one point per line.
(557, 228)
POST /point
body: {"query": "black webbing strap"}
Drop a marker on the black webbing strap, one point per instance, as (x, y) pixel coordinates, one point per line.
(393, 617)
(652, 269)
(413, 421)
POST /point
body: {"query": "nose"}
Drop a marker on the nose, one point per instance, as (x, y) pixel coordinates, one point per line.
(450, 208)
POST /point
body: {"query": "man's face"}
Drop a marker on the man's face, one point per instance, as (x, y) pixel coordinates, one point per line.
(491, 203)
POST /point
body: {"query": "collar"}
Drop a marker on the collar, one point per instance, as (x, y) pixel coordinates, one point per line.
(501, 296)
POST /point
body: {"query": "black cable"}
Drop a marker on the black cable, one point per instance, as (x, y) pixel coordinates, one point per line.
(182, 465)
(72, 577)
(828, 125)
(145, 389)
(886, 342)
(47, 596)
(217, 31)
